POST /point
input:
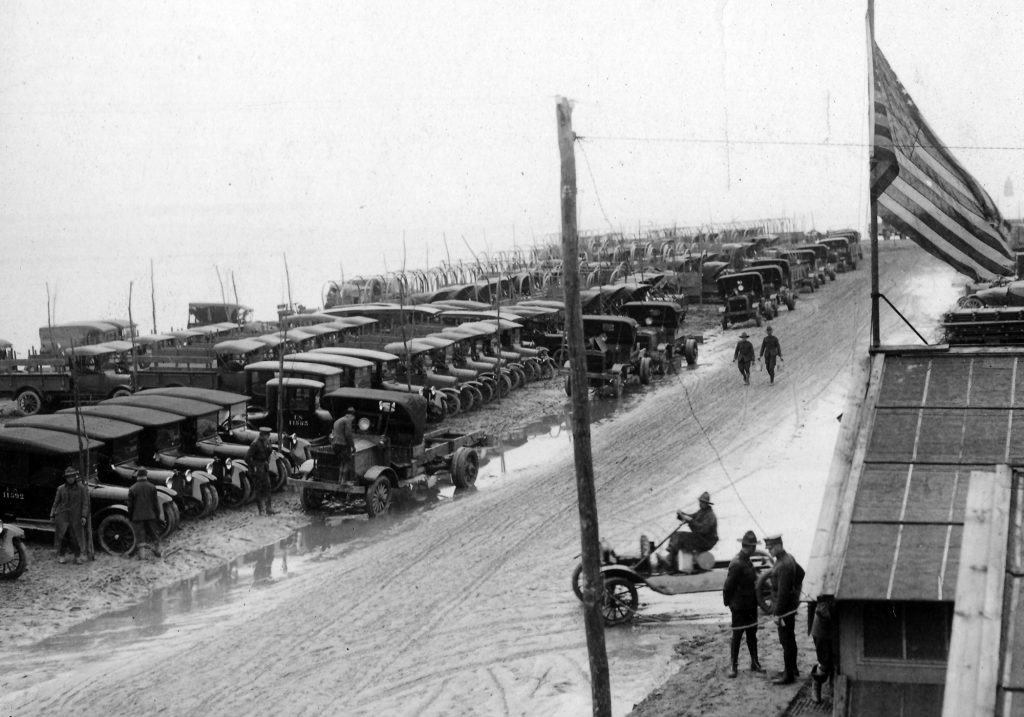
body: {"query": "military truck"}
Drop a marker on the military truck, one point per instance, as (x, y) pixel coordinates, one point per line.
(395, 456)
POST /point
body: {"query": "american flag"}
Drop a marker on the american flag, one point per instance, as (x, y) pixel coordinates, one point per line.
(925, 193)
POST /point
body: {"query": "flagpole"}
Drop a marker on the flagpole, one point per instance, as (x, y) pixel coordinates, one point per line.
(872, 199)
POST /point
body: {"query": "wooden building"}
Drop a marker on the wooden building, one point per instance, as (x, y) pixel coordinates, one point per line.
(919, 538)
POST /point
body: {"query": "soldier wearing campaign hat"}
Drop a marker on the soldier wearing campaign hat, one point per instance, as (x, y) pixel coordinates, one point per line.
(787, 578)
(740, 597)
(702, 535)
(744, 356)
(70, 514)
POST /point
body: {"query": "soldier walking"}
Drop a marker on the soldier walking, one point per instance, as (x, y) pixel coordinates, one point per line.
(258, 460)
(771, 350)
(744, 356)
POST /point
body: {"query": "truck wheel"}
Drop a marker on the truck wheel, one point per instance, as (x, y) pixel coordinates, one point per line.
(378, 497)
(504, 385)
(14, 567)
(531, 371)
(568, 386)
(465, 467)
(690, 352)
(620, 600)
(547, 369)
(30, 401)
(486, 391)
(284, 469)
(171, 521)
(115, 535)
(121, 391)
(466, 398)
(763, 592)
(577, 575)
(452, 405)
(235, 496)
(312, 499)
(210, 496)
(645, 370)
(519, 376)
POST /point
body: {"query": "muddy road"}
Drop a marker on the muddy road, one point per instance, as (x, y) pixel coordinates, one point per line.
(463, 607)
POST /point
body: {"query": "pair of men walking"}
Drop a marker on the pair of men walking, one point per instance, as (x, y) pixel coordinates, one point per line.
(771, 351)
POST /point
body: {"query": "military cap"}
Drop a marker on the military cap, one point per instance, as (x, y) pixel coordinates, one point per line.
(264, 430)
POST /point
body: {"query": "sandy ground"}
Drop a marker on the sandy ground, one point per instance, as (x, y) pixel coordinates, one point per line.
(518, 641)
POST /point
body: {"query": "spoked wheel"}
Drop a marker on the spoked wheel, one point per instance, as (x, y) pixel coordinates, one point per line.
(517, 376)
(478, 396)
(235, 496)
(452, 405)
(486, 390)
(620, 600)
(467, 398)
(378, 497)
(577, 575)
(30, 401)
(115, 535)
(313, 499)
(504, 385)
(465, 467)
(532, 370)
(14, 567)
(970, 302)
(645, 370)
(547, 369)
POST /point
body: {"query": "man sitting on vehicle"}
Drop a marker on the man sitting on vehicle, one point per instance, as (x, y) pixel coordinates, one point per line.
(703, 533)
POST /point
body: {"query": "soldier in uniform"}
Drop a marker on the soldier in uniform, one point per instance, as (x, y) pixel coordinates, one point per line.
(771, 350)
(70, 514)
(343, 441)
(739, 596)
(703, 533)
(787, 580)
(744, 356)
(258, 460)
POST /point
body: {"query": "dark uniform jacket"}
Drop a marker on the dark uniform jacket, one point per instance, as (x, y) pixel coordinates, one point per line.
(705, 524)
(142, 501)
(744, 351)
(738, 592)
(258, 453)
(787, 581)
(770, 346)
(341, 434)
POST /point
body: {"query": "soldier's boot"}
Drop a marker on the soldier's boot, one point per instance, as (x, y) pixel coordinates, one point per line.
(734, 651)
(817, 680)
(269, 510)
(755, 664)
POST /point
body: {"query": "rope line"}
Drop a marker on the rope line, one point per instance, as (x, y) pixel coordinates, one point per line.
(593, 182)
(718, 456)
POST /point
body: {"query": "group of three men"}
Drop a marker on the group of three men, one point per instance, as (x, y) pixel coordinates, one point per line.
(739, 592)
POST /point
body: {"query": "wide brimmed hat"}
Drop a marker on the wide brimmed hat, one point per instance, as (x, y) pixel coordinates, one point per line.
(749, 538)
(744, 335)
(705, 497)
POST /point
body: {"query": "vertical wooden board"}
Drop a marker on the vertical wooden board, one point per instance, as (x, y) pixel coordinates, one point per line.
(892, 436)
(919, 563)
(868, 563)
(903, 381)
(1015, 550)
(1015, 454)
(941, 436)
(985, 436)
(948, 382)
(880, 493)
(1010, 704)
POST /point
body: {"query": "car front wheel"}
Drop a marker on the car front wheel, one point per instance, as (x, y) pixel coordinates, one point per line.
(116, 535)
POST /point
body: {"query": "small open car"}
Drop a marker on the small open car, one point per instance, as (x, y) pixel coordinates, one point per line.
(623, 574)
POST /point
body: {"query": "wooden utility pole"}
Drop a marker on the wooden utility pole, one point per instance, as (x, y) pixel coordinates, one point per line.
(592, 583)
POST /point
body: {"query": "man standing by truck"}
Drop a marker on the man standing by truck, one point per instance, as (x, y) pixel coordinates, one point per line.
(344, 444)
(144, 512)
(258, 460)
(70, 514)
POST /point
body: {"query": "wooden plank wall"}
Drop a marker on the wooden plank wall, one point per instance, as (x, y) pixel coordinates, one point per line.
(972, 672)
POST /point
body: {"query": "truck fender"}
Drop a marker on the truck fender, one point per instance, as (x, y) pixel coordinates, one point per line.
(116, 509)
(376, 472)
(621, 571)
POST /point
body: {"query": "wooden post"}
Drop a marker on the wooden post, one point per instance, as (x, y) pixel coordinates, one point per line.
(876, 340)
(152, 294)
(592, 583)
(131, 333)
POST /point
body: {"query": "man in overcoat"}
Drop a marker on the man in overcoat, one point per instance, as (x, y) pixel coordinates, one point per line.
(144, 512)
(70, 515)
(771, 351)
(258, 460)
(739, 596)
(744, 356)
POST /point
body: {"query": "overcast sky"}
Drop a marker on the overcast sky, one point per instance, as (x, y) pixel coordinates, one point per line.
(165, 127)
